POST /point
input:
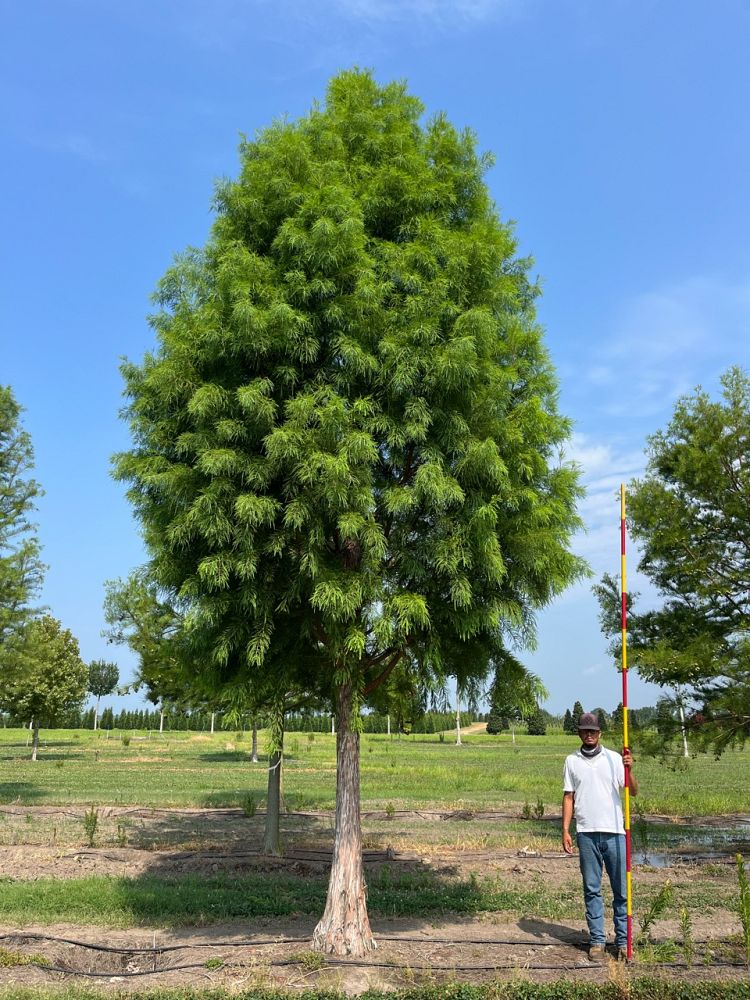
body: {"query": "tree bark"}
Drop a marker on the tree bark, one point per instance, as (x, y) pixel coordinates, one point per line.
(35, 742)
(271, 840)
(344, 928)
(213, 720)
(254, 753)
(458, 717)
(96, 714)
(161, 719)
(685, 749)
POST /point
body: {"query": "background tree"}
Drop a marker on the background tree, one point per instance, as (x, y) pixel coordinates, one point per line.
(604, 720)
(103, 679)
(516, 692)
(349, 427)
(43, 675)
(536, 724)
(21, 570)
(495, 722)
(690, 515)
(568, 724)
(577, 713)
(141, 616)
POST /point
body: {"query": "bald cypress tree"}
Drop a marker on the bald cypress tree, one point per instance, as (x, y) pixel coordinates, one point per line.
(348, 431)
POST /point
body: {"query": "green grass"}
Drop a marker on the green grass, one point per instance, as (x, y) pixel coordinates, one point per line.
(151, 901)
(646, 988)
(417, 772)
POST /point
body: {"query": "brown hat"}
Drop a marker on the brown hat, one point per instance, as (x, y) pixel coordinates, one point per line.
(589, 721)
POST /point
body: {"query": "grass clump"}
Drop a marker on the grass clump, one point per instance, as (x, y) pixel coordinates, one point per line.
(10, 959)
(90, 823)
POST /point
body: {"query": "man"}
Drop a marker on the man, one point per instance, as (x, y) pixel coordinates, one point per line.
(592, 780)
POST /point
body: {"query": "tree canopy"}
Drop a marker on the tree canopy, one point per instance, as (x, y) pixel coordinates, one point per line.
(45, 675)
(690, 515)
(21, 569)
(348, 432)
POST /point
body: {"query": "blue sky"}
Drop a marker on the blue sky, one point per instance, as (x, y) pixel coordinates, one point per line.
(620, 131)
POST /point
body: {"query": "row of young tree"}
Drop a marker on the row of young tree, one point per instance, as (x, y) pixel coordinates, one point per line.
(347, 465)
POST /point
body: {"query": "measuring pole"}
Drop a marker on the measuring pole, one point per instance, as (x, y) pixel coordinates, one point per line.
(624, 627)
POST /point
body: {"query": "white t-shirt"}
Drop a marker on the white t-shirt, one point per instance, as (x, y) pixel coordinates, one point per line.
(596, 784)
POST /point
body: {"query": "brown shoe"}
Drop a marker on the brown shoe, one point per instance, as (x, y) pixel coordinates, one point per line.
(596, 953)
(621, 954)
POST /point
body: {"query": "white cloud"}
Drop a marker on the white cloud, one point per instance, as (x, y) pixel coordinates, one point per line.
(667, 340)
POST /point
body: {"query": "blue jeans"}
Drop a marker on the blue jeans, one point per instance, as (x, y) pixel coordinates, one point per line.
(597, 851)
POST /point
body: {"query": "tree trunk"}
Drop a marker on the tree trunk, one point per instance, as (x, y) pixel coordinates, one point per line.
(344, 928)
(254, 749)
(388, 717)
(213, 720)
(458, 717)
(161, 719)
(35, 743)
(685, 750)
(271, 840)
(96, 713)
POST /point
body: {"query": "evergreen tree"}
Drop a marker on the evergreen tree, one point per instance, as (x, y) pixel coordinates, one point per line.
(21, 570)
(603, 719)
(495, 722)
(691, 518)
(577, 713)
(348, 432)
(568, 724)
(536, 724)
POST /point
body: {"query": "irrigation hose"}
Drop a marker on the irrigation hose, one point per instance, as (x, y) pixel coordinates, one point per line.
(355, 963)
(326, 959)
(301, 939)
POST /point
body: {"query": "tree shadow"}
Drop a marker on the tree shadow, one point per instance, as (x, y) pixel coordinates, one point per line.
(19, 791)
(227, 879)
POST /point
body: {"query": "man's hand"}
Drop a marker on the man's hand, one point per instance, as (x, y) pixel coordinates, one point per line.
(627, 757)
(567, 842)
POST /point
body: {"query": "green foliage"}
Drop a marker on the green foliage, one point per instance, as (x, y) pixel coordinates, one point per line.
(659, 905)
(536, 724)
(348, 431)
(515, 691)
(43, 676)
(21, 570)
(690, 516)
(141, 617)
(103, 678)
(249, 805)
(743, 905)
(686, 933)
(90, 823)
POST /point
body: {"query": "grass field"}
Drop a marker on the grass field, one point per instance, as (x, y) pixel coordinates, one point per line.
(415, 772)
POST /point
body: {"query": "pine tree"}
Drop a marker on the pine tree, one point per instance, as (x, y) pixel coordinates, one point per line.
(348, 433)
(568, 724)
(536, 724)
(577, 713)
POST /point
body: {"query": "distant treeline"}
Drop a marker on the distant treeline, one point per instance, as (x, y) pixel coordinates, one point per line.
(176, 720)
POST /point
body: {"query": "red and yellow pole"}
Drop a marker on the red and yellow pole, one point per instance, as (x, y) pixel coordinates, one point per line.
(624, 627)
